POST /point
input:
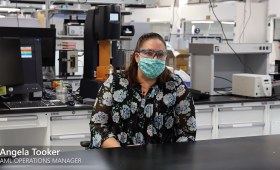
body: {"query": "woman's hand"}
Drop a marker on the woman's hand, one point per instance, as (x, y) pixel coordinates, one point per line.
(110, 143)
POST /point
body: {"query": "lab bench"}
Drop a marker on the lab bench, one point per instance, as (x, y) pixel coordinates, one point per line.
(231, 116)
(218, 117)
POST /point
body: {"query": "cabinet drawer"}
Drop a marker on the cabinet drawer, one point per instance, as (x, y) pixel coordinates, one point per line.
(240, 129)
(204, 132)
(241, 114)
(274, 112)
(70, 124)
(274, 127)
(69, 142)
(23, 121)
(203, 116)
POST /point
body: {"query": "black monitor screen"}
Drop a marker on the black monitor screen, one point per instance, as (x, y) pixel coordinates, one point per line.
(11, 66)
(47, 38)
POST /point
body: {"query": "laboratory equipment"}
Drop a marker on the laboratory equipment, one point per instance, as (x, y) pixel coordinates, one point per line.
(102, 25)
(219, 60)
(29, 50)
(61, 92)
(68, 63)
(251, 85)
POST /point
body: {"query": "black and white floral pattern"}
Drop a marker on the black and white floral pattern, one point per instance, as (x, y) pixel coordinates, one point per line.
(165, 115)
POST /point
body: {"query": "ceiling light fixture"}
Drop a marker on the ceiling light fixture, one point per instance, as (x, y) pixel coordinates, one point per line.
(9, 9)
(230, 23)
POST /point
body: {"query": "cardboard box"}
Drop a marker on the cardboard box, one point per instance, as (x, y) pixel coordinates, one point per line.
(179, 62)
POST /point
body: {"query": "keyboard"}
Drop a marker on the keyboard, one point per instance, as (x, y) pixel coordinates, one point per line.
(35, 104)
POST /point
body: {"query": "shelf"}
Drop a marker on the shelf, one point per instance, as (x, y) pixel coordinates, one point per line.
(74, 11)
(65, 11)
(274, 73)
(126, 13)
(69, 37)
(82, 37)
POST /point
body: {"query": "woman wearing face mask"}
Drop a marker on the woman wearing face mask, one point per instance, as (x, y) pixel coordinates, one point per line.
(145, 104)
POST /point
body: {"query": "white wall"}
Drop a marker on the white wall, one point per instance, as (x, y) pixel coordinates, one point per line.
(156, 15)
(224, 11)
(255, 31)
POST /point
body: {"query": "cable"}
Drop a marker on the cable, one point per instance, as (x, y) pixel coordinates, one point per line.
(226, 38)
(81, 55)
(244, 18)
(47, 94)
(81, 62)
(220, 93)
(17, 15)
(224, 89)
(172, 21)
(177, 18)
(246, 22)
(5, 98)
(223, 78)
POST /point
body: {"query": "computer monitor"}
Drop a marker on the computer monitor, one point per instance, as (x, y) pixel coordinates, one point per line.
(29, 51)
(47, 37)
(11, 66)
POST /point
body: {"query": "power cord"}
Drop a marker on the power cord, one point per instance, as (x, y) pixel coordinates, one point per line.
(17, 15)
(172, 20)
(247, 20)
(81, 55)
(177, 17)
(227, 39)
(223, 78)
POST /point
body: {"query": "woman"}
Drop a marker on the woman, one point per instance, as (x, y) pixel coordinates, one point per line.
(145, 104)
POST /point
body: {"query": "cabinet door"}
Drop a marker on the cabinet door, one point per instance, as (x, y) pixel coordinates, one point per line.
(21, 121)
(66, 123)
(204, 121)
(69, 142)
(274, 119)
(241, 121)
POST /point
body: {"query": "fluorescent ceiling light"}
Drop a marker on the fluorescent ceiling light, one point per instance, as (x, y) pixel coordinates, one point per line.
(9, 9)
(2, 16)
(230, 23)
(202, 22)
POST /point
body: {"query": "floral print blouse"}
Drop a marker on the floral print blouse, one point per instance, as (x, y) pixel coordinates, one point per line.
(165, 115)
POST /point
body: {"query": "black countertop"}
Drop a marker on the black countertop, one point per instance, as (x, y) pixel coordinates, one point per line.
(232, 99)
(4, 110)
(213, 100)
(252, 153)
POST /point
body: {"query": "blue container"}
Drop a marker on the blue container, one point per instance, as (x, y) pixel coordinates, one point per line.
(188, 84)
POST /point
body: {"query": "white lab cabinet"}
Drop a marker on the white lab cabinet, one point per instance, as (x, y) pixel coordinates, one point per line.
(69, 129)
(205, 122)
(274, 118)
(241, 119)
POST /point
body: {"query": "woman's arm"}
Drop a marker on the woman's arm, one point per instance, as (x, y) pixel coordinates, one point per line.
(101, 119)
(185, 121)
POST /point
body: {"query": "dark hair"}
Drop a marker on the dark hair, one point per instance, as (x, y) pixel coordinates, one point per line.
(131, 70)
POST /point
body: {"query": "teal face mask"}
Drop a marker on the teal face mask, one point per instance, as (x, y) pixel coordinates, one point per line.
(151, 68)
